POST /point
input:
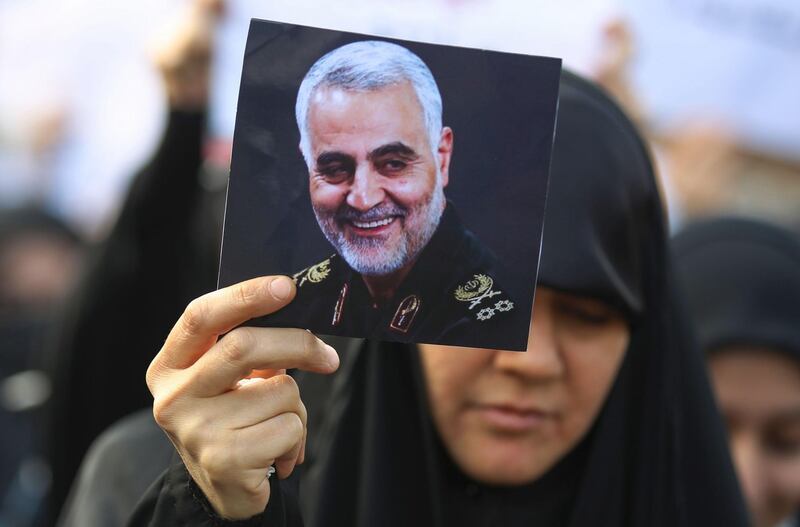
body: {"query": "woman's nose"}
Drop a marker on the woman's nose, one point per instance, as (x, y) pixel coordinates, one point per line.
(542, 361)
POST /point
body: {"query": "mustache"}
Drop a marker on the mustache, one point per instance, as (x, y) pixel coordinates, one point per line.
(379, 212)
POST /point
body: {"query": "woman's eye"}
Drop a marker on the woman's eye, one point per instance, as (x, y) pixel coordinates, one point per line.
(782, 445)
(584, 315)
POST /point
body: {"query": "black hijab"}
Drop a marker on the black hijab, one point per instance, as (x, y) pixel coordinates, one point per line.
(656, 456)
(742, 283)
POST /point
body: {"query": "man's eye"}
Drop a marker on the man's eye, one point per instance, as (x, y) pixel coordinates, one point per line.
(334, 174)
(393, 165)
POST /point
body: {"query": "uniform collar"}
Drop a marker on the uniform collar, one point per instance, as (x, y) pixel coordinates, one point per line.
(433, 268)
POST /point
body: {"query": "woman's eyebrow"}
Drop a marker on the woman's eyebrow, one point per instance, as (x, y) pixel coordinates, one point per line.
(786, 417)
(396, 148)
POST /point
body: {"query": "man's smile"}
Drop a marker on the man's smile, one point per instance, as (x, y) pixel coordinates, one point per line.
(373, 224)
(371, 228)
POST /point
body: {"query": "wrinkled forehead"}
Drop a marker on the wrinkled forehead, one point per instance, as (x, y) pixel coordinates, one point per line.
(389, 113)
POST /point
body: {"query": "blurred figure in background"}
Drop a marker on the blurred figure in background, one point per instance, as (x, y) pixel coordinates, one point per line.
(40, 258)
(162, 251)
(742, 280)
(78, 81)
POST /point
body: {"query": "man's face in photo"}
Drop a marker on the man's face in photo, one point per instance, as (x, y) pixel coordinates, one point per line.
(376, 184)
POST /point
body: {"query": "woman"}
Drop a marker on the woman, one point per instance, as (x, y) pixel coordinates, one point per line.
(606, 420)
(742, 279)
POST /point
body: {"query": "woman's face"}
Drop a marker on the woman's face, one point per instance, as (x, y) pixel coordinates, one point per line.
(507, 417)
(759, 394)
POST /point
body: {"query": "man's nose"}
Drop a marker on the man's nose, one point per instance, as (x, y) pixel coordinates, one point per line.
(366, 190)
(542, 362)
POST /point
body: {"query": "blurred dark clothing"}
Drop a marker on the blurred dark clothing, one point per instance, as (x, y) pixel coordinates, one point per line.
(741, 279)
(39, 259)
(161, 253)
(23, 390)
(119, 468)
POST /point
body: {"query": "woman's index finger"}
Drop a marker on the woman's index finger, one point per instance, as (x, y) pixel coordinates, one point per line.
(216, 313)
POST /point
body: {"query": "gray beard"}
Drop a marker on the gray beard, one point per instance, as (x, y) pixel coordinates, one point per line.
(371, 257)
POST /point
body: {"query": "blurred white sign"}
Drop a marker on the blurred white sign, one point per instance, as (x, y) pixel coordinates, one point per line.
(570, 30)
(86, 62)
(731, 61)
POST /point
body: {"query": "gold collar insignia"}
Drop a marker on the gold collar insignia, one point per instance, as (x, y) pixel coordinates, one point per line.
(314, 274)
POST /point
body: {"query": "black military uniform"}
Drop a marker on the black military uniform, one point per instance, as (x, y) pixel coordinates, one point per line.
(450, 296)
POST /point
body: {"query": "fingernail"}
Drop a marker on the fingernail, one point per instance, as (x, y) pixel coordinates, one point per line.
(280, 288)
(333, 357)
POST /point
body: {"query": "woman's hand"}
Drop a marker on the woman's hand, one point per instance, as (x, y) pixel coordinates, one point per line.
(227, 405)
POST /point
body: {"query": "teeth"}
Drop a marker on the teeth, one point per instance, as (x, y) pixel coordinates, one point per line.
(372, 224)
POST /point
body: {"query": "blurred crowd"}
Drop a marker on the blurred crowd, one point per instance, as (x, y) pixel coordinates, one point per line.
(81, 118)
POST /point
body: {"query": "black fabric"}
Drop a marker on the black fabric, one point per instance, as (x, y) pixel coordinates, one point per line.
(25, 323)
(742, 283)
(603, 219)
(656, 455)
(176, 500)
(547, 501)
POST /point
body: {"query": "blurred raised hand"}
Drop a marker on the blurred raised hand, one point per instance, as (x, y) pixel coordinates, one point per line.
(184, 57)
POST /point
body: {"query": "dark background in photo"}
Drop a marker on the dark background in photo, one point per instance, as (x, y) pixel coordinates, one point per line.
(502, 110)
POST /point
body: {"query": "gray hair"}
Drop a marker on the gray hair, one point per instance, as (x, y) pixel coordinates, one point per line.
(367, 66)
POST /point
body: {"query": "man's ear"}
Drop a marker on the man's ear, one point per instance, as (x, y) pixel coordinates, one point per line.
(445, 152)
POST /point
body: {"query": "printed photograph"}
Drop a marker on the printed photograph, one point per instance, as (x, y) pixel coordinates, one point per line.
(402, 185)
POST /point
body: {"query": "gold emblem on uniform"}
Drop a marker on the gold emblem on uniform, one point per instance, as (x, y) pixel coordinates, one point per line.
(314, 274)
(405, 313)
(476, 290)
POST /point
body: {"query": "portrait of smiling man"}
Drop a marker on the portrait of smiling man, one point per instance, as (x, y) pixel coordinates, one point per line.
(369, 116)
